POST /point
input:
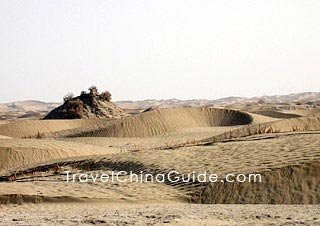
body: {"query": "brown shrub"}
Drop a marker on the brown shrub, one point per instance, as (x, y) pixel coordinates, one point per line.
(39, 135)
(93, 90)
(105, 96)
(68, 97)
(74, 109)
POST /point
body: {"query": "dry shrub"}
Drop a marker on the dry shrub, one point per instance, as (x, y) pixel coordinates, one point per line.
(93, 90)
(39, 135)
(106, 96)
(74, 109)
(12, 178)
(68, 97)
(56, 169)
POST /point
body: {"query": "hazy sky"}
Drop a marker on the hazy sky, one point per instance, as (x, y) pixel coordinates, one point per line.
(158, 49)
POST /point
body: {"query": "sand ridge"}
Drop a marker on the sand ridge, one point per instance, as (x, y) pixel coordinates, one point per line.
(163, 121)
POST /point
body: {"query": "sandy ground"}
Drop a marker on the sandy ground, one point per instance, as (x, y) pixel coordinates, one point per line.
(286, 151)
(270, 155)
(157, 214)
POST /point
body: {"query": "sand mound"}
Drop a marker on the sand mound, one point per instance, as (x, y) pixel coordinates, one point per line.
(301, 124)
(32, 128)
(308, 123)
(277, 114)
(87, 105)
(164, 121)
(17, 153)
(302, 112)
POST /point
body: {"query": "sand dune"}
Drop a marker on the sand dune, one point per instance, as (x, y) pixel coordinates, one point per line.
(173, 126)
(288, 164)
(186, 135)
(303, 112)
(301, 124)
(31, 128)
(194, 123)
(308, 123)
(285, 151)
(17, 153)
(277, 114)
(164, 121)
(292, 184)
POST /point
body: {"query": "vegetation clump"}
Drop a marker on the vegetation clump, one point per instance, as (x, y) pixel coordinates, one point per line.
(105, 96)
(74, 109)
(90, 104)
(68, 97)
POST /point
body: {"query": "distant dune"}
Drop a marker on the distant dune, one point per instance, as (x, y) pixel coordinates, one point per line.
(292, 98)
(312, 97)
(28, 105)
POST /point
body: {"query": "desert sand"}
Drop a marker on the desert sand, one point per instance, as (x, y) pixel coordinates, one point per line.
(157, 214)
(281, 145)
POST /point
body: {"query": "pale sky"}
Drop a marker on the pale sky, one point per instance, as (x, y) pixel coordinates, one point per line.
(158, 49)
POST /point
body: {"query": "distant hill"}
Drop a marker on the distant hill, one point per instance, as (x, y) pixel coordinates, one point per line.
(292, 98)
(31, 105)
(28, 105)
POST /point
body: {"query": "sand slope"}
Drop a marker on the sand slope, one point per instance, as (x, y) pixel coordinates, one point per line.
(289, 164)
(163, 121)
(292, 184)
(302, 112)
(178, 122)
(31, 128)
(277, 114)
(16, 153)
(285, 151)
(301, 124)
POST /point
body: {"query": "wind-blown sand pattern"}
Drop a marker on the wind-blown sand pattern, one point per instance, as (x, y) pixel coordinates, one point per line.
(290, 155)
(284, 148)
